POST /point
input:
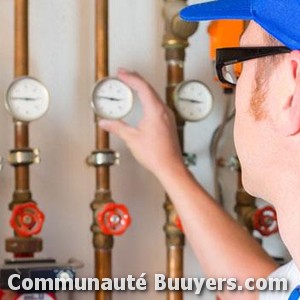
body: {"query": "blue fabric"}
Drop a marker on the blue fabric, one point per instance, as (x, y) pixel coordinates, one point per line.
(278, 17)
(295, 295)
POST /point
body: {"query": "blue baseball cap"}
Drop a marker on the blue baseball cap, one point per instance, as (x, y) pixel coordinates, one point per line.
(280, 18)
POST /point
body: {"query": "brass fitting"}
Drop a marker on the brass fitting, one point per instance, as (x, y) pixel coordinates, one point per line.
(100, 240)
(177, 31)
(174, 236)
(20, 197)
(21, 245)
(245, 208)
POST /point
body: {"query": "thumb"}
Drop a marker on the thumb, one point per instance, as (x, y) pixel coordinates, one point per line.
(117, 127)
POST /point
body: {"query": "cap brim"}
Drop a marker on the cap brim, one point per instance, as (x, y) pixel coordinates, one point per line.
(218, 10)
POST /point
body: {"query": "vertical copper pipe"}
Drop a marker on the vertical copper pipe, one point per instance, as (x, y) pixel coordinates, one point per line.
(245, 205)
(101, 71)
(174, 238)
(19, 246)
(102, 244)
(175, 268)
(21, 37)
(21, 172)
(103, 270)
(175, 42)
(21, 69)
(239, 180)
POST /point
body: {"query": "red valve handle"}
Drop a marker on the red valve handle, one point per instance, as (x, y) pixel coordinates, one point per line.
(47, 296)
(178, 223)
(113, 219)
(265, 221)
(27, 219)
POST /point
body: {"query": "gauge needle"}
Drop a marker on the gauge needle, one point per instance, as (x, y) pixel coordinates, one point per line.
(109, 98)
(190, 100)
(24, 98)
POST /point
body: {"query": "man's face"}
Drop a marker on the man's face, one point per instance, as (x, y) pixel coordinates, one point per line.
(253, 131)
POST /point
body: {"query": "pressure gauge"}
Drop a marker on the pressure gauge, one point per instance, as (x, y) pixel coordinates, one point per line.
(27, 99)
(112, 99)
(193, 100)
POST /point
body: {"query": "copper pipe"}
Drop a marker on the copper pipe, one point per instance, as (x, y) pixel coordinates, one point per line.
(21, 69)
(101, 39)
(102, 243)
(239, 180)
(245, 206)
(101, 71)
(21, 141)
(22, 247)
(103, 260)
(175, 241)
(174, 238)
(175, 267)
(175, 75)
(21, 37)
(175, 41)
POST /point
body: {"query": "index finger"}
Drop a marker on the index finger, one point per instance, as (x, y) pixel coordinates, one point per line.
(148, 96)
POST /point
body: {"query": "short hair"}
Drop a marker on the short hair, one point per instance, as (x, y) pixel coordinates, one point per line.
(265, 66)
(273, 42)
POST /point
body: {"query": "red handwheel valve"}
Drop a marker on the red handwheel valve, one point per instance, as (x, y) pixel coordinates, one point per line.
(265, 221)
(178, 223)
(27, 219)
(113, 219)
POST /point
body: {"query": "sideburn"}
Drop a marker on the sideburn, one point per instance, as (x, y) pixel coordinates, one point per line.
(260, 88)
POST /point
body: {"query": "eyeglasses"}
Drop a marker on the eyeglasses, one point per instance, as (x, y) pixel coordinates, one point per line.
(229, 60)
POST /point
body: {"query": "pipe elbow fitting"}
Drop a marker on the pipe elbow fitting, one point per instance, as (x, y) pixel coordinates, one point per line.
(175, 28)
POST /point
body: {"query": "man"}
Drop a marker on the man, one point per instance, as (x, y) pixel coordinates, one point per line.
(267, 138)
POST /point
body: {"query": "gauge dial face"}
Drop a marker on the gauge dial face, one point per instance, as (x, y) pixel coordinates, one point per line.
(112, 99)
(193, 100)
(27, 99)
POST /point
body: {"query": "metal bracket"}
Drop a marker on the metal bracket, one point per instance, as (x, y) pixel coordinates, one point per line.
(190, 159)
(103, 158)
(24, 157)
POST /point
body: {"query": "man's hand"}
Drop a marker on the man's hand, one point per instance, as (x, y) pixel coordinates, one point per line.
(154, 142)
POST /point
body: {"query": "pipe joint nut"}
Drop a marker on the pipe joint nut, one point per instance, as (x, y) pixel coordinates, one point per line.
(103, 158)
(177, 31)
(24, 156)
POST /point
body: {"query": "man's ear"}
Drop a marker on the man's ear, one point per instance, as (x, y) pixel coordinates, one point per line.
(291, 109)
